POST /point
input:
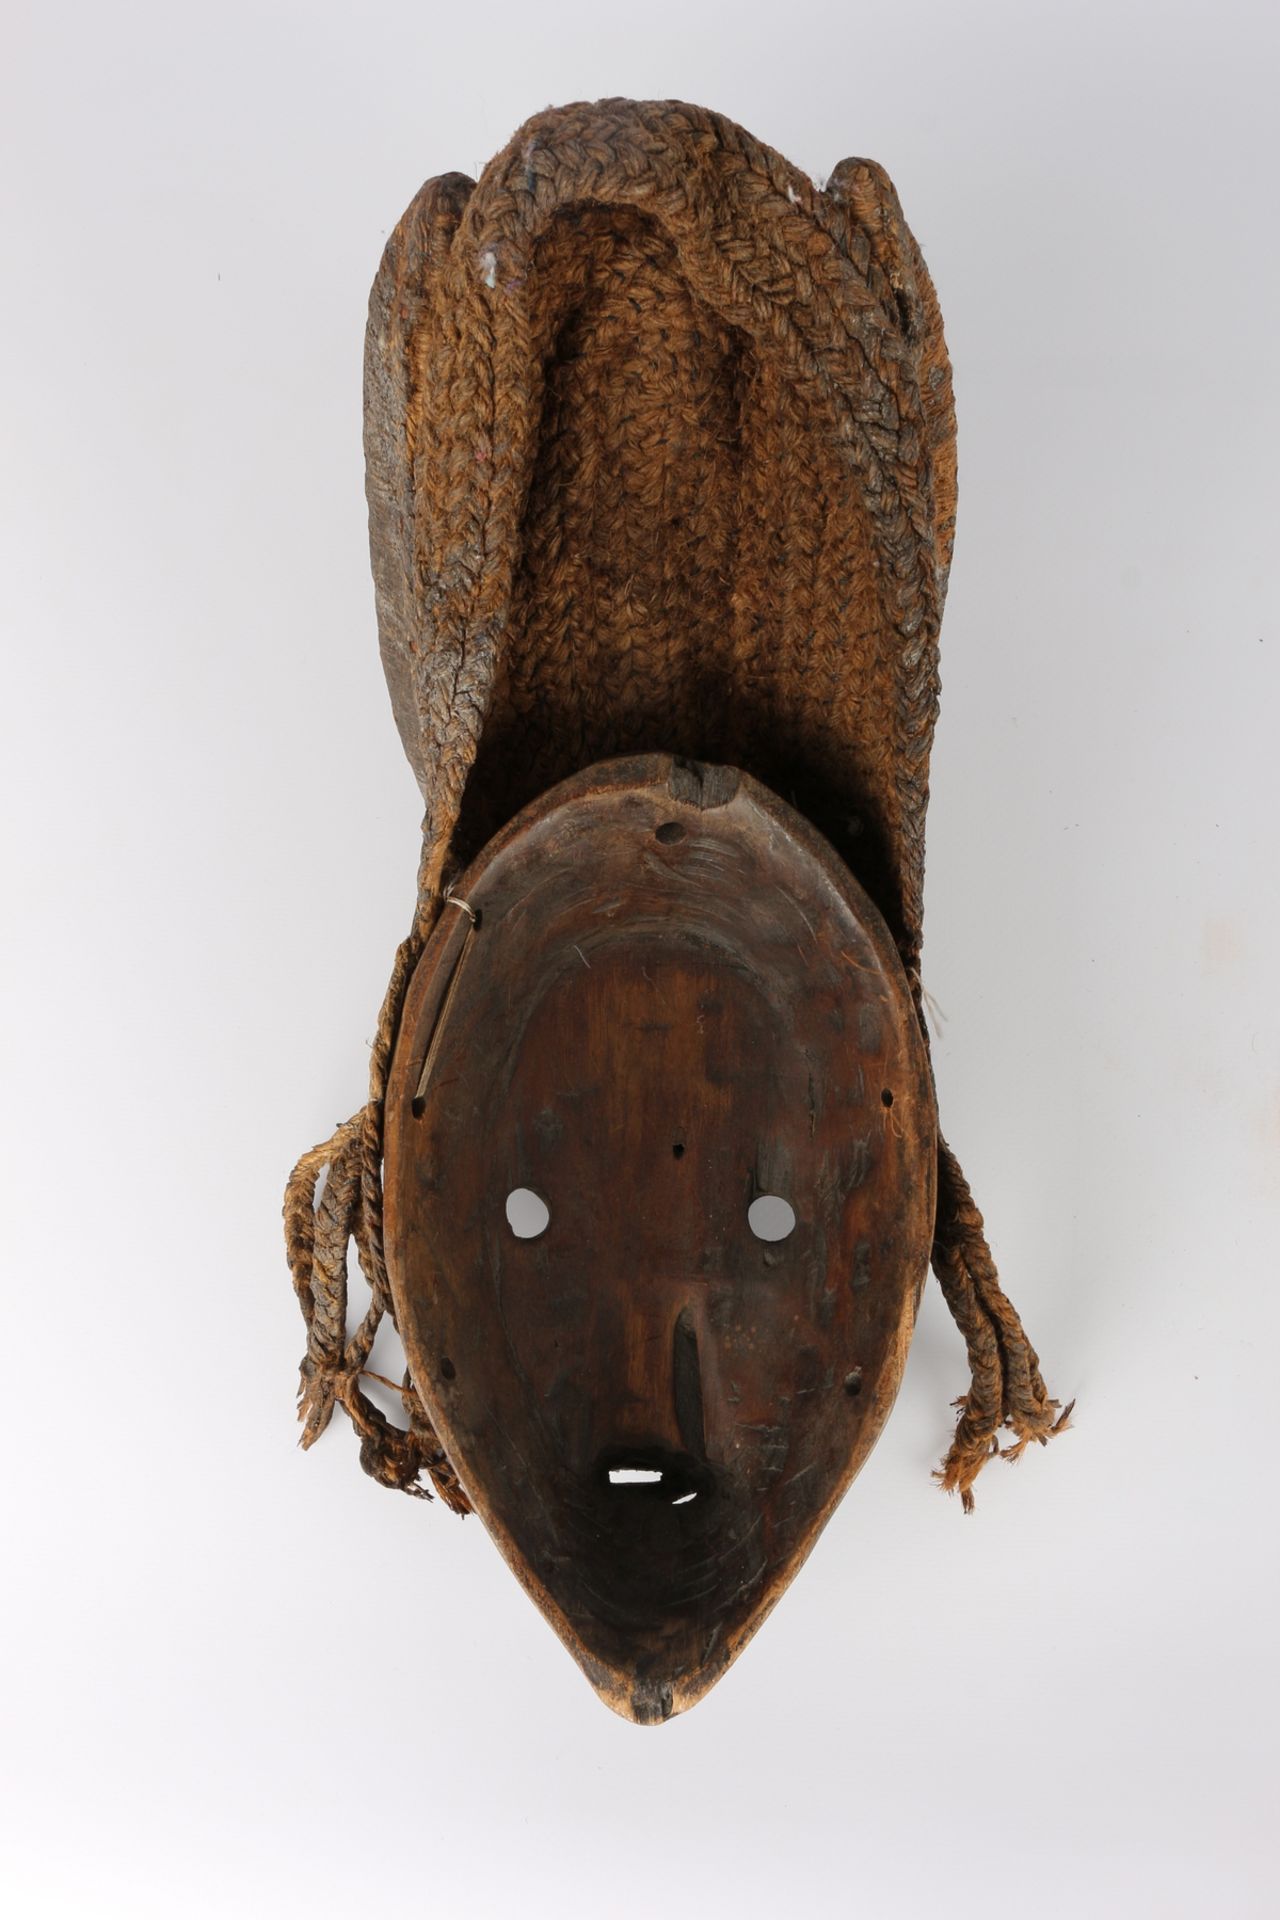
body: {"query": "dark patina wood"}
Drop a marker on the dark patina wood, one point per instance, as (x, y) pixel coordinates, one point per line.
(673, 999)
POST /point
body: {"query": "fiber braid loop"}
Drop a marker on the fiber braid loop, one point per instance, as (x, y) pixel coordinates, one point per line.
(318, 1234)
(1006, 1388)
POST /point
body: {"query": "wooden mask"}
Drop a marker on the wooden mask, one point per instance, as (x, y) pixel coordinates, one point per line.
(660, 462)
(662, 1018)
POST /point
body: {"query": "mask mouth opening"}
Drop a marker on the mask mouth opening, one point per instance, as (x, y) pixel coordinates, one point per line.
(628, 1476)
(660, 1539)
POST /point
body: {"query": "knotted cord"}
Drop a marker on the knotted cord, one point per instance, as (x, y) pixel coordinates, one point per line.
(319, 1232)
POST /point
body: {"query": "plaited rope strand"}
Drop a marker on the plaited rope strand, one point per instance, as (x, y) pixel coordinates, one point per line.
(1006, 1388)
(1005, 1385)
(317, 1237)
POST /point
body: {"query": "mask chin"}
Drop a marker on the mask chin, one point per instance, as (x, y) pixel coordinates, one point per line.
(657, 1541)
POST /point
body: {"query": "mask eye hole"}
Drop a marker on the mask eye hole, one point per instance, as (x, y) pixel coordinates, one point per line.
(528, 1214)
(771, 1217)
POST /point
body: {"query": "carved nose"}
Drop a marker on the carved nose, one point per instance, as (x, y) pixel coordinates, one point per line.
(686, 1383)
(661, 1406)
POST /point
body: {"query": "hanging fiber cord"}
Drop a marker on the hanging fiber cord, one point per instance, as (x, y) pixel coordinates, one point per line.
(318, 1234)
(1005, 1386)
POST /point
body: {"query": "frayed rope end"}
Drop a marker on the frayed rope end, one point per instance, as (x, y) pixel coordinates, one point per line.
(972, 1448)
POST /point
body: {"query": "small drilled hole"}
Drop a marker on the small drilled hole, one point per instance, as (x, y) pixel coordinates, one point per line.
(669, 832)
(771, 1217)
(419, 1105)
(528, 1214)
(853, 1383)
(448, 1369)
(677, 1152)
(886, 1098)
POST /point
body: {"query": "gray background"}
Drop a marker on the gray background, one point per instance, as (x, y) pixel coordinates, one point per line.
(241, 1680)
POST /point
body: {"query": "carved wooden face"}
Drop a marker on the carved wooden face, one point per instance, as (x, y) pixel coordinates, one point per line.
(659, 1208)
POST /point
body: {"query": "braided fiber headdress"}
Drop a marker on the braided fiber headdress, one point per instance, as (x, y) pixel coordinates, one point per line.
(660, 457)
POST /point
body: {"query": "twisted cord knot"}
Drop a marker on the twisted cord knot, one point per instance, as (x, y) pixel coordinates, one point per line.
(318, 1394)
(323, 1385)
(318, 1235)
